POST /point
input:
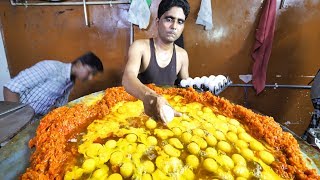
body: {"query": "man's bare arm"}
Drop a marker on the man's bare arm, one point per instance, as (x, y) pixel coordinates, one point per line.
(130, 79)
(184, 71)
(10, 96)
(152, 101)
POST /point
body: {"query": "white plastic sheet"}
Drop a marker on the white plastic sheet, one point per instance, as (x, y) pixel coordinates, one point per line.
(205, 15)
(139, 13)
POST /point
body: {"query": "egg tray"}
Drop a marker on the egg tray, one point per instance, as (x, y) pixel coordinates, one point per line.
(221, 88)
(314, 137)
(215, 91)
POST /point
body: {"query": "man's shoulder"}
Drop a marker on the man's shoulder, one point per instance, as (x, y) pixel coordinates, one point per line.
(50, 62)
(181, 52)
(53, 65)
(141, 43)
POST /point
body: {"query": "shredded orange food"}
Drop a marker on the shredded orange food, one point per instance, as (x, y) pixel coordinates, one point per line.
(52, 155)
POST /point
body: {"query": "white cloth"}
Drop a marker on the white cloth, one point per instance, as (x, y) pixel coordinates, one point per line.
(246, 78)
(205, 15)
(139, 13)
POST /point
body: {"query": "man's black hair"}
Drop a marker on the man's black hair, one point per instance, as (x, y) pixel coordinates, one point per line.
(166, 5)
(91, 60)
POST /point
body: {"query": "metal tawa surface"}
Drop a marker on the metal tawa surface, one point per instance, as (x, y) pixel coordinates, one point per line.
(14, 157)
(13, 118)
(7, 107)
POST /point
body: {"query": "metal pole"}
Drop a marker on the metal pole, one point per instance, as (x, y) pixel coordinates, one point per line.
(274, 86)
(131, 33)
(85, 13)
(69, 3)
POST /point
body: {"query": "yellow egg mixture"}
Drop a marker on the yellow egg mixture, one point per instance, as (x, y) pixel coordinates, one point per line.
(126, 144)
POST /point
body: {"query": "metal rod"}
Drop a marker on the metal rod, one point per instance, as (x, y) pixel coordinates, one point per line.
(69, 3)
(85, 13)
(131, 33)
(273, 86)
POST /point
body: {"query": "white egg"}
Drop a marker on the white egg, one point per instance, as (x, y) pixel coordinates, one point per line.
(191, 83)
(183, 83)
(206, 82)
(168, 113)
(218, 78)
(218, 84)
(212, 77)
(197, 82)
(203, 78)
(189, 79)
(213, 85)
(222, 79)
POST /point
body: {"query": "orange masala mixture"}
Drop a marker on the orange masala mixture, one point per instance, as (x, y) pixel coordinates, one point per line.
(52, 154)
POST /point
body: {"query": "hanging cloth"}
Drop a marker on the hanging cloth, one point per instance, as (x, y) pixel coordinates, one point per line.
(139, 13)
(263, 45)
(205, 15)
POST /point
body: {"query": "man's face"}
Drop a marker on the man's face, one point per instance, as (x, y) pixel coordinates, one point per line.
(171, 24)
(85, 72)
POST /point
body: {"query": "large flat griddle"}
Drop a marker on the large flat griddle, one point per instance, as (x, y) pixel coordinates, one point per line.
(15, 156)
(13, 118)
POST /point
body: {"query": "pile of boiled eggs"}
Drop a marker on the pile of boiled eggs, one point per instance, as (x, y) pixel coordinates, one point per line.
(212, 83)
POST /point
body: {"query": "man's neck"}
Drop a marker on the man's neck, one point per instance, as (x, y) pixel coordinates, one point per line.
(73, 72)
(163, 45)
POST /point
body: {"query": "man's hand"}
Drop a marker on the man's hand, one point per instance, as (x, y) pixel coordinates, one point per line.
(154, 107)
(10, 96)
